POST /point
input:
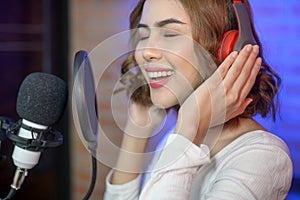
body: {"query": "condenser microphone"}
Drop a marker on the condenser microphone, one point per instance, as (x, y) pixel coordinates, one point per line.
(41, 102)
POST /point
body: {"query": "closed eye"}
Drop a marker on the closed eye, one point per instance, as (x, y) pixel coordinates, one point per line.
(166, 32)
(171, 34)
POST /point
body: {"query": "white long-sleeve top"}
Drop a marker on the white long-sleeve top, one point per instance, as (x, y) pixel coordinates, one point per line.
(256, 165)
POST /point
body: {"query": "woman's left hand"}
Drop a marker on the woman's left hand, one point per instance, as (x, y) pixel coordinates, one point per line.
(221, 97)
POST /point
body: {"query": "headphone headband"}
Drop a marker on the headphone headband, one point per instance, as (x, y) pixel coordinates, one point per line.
(245, 29)
(235, 40)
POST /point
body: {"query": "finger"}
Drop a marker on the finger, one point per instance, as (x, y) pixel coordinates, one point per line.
(245, 73)
(237, 66)
(240, 110)
(245, 105)
(248, 66)
(225, 66)
(251, 80)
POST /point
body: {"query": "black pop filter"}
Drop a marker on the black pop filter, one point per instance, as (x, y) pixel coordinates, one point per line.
(85, 98)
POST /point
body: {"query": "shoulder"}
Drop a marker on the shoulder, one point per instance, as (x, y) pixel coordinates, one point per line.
(257, 161)
(260, 156)
(257, 140)
(257, 146)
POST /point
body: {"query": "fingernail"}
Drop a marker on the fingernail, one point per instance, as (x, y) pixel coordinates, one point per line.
(249, 47)
(255, 48)
(259, 60)
(234, 54)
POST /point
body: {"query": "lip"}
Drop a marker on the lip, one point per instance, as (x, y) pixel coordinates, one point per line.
(162, 80)
(159, 84)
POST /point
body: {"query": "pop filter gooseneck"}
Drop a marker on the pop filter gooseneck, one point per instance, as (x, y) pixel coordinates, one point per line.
(85, 98)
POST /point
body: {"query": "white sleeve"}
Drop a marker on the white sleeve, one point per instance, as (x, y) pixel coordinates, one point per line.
(172, 175)
(128, 191)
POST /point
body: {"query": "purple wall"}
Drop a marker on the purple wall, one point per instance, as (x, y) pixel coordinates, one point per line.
(278, 24)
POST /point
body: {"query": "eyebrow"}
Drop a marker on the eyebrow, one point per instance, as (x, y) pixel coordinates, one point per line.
(163, 23)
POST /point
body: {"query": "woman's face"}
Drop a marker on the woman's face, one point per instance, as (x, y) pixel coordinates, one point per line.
(165, 52)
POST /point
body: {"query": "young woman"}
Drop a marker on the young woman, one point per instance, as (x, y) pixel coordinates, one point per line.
(216, 150)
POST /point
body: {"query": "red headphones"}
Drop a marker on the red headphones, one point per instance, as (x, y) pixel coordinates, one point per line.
(235, 40)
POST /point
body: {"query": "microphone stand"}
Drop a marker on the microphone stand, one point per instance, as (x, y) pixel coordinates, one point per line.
(10, 195)
(4, 125)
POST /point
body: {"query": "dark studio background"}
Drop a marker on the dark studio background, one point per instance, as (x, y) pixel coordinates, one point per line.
(33, 38)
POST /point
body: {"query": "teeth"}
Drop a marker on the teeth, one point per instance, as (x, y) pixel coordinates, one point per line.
(160, 74)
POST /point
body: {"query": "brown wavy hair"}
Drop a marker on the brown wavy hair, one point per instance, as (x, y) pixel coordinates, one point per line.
(210, 20)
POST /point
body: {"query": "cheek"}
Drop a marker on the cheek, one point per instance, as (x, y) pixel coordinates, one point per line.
(183, 56)
(138, 56)
(187, 74)
(140, 61)
(183, 47)
(185, 61)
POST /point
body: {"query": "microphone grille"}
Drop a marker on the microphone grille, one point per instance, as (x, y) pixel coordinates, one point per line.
(42, 98)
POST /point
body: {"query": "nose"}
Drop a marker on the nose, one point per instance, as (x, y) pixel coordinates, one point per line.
(151, 53)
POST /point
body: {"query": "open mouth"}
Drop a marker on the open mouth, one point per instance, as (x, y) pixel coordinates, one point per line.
(158, 78)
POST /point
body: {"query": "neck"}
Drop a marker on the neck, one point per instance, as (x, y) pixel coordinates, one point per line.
(218, 137)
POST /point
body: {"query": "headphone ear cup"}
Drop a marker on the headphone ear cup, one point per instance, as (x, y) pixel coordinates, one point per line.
(227, 45)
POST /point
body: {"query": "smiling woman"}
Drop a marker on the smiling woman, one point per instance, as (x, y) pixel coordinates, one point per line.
(215, 100)
(166, 45)
(166, 61)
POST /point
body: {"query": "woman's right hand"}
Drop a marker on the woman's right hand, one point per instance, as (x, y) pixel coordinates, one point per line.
(144, 120)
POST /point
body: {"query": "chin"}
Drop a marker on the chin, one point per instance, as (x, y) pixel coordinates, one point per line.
(164, 101)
